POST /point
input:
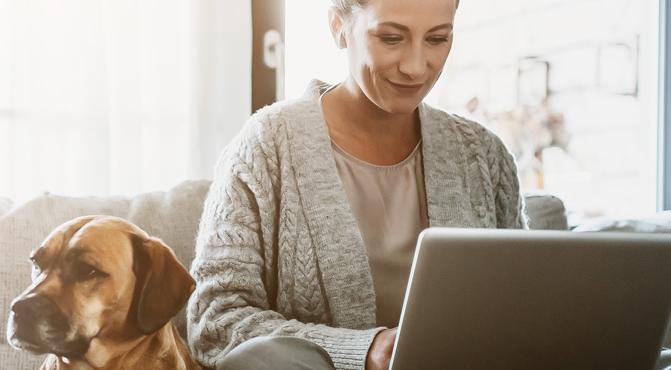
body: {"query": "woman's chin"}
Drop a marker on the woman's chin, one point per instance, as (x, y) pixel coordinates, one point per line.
(396, 103)
(400, 107)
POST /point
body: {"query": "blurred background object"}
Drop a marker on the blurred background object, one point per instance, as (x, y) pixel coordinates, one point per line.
(102, 97)
(569, 85)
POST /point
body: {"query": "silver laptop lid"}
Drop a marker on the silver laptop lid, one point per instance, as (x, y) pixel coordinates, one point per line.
(513, 299)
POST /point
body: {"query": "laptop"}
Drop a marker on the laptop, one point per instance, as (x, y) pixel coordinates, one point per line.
(542, 300)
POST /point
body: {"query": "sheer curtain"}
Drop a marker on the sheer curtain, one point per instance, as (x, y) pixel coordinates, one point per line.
(102, 97)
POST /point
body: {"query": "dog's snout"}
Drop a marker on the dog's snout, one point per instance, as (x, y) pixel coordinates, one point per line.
(30, 306)
(37, 324)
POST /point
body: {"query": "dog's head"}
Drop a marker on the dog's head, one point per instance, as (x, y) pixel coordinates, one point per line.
(96, 277)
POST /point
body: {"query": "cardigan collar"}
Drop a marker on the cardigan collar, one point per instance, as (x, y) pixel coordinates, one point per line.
(339, 246)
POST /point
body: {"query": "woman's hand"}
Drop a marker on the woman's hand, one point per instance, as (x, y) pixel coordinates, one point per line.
(379, 353)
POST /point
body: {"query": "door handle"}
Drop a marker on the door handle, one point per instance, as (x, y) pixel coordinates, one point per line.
(273, 57)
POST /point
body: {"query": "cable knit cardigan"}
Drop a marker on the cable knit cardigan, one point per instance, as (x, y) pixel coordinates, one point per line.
(279, 251)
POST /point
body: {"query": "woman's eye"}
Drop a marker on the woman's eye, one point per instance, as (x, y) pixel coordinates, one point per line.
(438, 40)
(391, 40)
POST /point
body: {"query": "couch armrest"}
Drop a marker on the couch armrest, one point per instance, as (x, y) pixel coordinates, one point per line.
(545, 212)
(6, 205)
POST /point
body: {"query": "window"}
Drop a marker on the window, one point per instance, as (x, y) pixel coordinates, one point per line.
(664, 173)
(118, 97)
(569, 85)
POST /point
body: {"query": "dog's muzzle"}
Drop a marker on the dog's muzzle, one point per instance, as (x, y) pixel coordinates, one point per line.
(36, 324)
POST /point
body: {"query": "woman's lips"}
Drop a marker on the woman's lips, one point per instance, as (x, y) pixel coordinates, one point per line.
(407, 88)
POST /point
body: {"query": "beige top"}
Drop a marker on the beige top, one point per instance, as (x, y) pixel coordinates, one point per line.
(389, 204)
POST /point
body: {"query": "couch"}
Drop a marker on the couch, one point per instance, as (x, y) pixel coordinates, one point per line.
(173, 216)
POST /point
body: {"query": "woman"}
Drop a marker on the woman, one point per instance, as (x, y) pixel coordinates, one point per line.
(309, 227)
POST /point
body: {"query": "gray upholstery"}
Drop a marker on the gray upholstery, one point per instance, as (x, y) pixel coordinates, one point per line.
(545, 212)
(658, 223)
(5, 205)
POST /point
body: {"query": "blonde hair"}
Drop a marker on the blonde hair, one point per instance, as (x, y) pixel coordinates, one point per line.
(346, 7)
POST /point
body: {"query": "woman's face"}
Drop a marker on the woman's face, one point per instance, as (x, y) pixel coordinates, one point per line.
(397, 50)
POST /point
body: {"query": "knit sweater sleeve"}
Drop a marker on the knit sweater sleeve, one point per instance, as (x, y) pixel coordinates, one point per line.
(508, 200)
(235, 273)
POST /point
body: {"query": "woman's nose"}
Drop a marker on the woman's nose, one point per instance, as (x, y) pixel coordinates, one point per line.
(413, 62)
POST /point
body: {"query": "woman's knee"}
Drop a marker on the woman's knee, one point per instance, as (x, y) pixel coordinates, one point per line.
(277, 353)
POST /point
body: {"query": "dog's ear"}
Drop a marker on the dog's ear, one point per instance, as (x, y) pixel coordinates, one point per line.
(163, 284)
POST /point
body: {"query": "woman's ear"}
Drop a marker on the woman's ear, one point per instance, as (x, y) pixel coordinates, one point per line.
(336, 23)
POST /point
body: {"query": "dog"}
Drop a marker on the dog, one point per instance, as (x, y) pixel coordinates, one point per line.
(102, 297)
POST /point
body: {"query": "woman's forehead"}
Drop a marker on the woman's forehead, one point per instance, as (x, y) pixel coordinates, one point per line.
(413, 14)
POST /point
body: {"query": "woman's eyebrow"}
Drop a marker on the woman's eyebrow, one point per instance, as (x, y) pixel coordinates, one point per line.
(401, 27)
(447, 26)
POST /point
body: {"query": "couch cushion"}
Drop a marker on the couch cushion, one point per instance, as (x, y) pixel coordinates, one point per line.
(5, 205)
(172, 216)
(545, 212)
(656, 223)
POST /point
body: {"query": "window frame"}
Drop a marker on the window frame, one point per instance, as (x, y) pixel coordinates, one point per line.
(664, 130)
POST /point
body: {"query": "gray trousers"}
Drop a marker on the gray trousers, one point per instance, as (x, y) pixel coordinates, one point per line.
(271, 353)
(664, 360)
(288, 353)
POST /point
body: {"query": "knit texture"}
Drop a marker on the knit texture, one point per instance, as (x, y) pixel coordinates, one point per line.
(279, 251)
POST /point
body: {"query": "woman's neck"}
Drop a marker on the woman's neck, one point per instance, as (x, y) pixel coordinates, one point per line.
(365, 130)
(353, 108)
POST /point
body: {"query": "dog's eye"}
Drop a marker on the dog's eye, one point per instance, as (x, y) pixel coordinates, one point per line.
(33, 262)
(84, 271)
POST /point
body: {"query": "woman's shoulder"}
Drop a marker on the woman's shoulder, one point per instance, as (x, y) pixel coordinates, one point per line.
(265, 135)
(472, 132)
(266, 122)
(272, 121)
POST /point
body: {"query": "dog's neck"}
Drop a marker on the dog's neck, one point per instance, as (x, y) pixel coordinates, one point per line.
(104, 353)
(161, 345)
(101, 355)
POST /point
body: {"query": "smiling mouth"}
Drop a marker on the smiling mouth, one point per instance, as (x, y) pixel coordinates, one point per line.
(406, 87)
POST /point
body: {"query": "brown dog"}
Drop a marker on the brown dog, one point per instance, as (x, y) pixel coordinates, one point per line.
(102, 296)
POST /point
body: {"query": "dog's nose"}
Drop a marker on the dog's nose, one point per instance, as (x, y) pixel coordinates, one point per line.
(29, 306)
